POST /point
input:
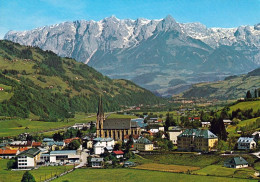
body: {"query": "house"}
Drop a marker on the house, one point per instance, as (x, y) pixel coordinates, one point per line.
(197, 140)
(143, 144)
(118, 154)
(8, 153)
(67, 141)
(87, 142)
(36, 144)
(256, 135)
(65, 156)
(205, 124)
(80, 126)
(54, 145)
(47, 140)
(236, 162)
(246, 143)
(20, 144)
(194, 119)
(134, 137)
(100, 144)
(227, 122)
(97, 162)
(129, 164)
(2, 89)
(28, 158)
(173, 132)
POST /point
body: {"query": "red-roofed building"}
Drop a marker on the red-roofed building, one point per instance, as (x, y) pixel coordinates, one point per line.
(36, 144)
(2, 89)
(118, 154)
(8, 153)
(67, 141)
(23, 149)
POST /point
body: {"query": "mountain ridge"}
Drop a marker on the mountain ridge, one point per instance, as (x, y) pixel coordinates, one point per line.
(113, 46)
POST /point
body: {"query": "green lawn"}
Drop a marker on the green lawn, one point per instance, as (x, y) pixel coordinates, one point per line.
(5, 96)
(82, 175)
(121, 116)
(218, 170)
(16, 176)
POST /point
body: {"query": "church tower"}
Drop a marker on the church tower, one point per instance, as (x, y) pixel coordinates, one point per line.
(100, 119)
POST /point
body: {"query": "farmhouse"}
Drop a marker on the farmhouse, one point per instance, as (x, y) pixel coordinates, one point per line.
(114, 128)
(197, 140)
(246, 143)
(28, 158)
(118, 154)
(2, 89)
(236, 162)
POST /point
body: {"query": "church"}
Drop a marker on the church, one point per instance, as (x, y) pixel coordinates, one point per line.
(115, 128)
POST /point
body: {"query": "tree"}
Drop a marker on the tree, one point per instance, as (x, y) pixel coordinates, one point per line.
(255, 93)
(217, 127)
(28, 177)
(169, 122)
(11, 164)
(74, 145)
(248, 95)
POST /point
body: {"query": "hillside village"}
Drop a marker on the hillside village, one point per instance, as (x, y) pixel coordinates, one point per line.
(125, 142)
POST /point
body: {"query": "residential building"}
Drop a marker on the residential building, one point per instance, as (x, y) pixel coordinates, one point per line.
(118, 154)
(67, 141)
(54, 145)
(97, 162)
(114, 128)
(20, 144)
(28, 158)
(88, 142)
(227, 122)
(236, 162)
(134, 137)
(205, 124)
(143, 144)
(256, 135)
(100, 144)
(65, 156)
(173, 132)
(197, 140)
(246, 143)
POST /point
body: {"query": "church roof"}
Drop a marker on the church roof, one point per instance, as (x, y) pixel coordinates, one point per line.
(118, 123)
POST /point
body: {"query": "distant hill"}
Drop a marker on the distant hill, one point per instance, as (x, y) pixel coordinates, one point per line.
(232, 87)
(43, 84)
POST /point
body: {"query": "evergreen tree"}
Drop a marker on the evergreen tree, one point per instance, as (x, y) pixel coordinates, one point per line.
(218, 128)
(248, 95)
(28, 177)
(255, 93)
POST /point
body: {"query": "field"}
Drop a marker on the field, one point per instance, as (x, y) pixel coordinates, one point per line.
(16, 176)
(166, 168)
(232, 129)
(255, 105)
(218, 170)
(14, 127)
(82, 175)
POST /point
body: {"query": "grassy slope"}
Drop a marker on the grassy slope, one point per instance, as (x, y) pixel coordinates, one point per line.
(255, 105)
(16, 176)
(81, 175)
(227, 89)
(94, 83)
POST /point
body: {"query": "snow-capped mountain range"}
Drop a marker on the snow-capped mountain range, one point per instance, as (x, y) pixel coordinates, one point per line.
(153, 53)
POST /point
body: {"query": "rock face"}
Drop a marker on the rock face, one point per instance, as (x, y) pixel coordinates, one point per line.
(151, 52)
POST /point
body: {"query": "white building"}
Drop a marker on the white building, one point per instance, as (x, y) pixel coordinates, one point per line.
(97, 162)
(101, 143)
(65, 156)
(28, 158)
(246, 143)
(173, 133)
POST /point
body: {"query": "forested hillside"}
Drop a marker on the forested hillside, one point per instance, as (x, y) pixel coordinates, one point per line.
(233, 87)
(43, 84)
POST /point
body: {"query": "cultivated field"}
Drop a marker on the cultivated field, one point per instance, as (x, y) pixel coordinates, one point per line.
(83, 175)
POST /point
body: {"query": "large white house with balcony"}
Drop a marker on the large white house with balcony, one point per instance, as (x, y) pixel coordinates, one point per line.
(28, 158)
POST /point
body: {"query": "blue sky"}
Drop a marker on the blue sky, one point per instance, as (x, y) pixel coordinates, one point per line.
(29, 14)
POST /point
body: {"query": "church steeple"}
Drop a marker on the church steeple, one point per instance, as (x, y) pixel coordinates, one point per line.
(100, 119)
